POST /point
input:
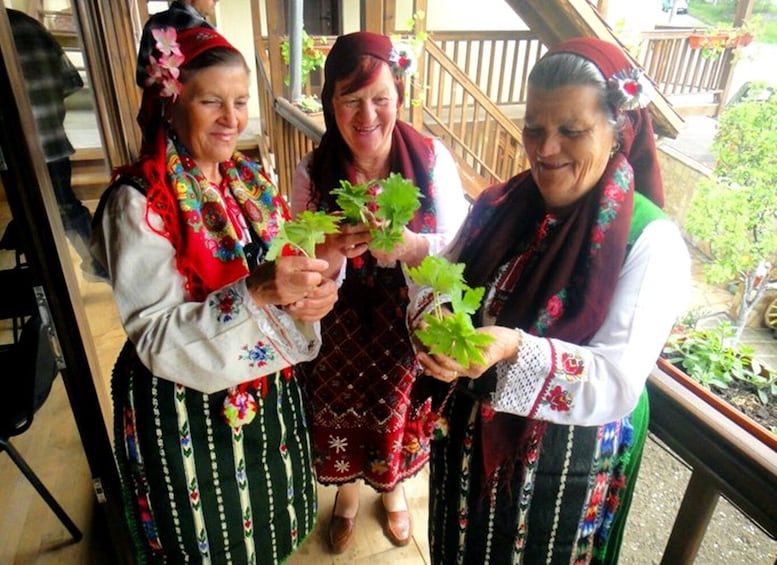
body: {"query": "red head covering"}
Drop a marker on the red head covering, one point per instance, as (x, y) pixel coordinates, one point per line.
(638, 143)
(343, 59)
(190, 43)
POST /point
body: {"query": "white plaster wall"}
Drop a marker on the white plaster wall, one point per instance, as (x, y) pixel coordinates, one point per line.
(234, 22)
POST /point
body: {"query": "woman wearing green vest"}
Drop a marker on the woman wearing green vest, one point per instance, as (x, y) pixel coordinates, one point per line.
(538, 448)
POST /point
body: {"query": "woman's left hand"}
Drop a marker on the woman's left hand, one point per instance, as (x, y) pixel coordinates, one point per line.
(316, 304)
(505, 347)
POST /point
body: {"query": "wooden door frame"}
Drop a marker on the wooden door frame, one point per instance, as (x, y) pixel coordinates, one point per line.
(28, 190)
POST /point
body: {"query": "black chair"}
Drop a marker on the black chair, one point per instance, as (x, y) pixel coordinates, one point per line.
(29, 369)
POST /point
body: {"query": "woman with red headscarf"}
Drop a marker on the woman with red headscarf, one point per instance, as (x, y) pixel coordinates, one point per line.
(364, 423)
(584, 277)
(210, 436)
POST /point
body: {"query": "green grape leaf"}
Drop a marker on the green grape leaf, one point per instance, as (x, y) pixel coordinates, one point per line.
(303, 233)
(393, 206)
(455, 336)
(353, 199)
(398, 201)
(439, 274)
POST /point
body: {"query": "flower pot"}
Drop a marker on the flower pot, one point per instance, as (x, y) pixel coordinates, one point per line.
(719, 405)
(717, 41)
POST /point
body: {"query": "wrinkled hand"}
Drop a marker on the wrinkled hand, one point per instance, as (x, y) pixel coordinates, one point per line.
(295, 282)
(351, 241)
(317, 304)
(411, 250)
(505, 347)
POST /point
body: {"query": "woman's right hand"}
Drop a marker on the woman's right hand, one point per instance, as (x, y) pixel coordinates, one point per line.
(287, 280)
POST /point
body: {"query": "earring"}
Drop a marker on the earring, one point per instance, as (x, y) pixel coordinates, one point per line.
(615, 149)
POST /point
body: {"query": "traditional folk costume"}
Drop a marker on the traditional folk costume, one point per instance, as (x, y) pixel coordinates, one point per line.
(210, 434)
(358, 390)
(538, 458)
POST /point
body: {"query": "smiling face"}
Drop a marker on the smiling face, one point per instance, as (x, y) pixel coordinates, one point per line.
(366, 117)
(568, 140)
(210, 114)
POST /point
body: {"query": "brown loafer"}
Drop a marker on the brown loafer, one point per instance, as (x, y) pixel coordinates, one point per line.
(340, 531)
(399, 527)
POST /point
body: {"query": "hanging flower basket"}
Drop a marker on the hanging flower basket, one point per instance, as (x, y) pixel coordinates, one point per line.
(717, 41)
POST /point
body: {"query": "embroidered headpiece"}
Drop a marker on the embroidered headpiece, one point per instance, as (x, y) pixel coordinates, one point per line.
(175, 49)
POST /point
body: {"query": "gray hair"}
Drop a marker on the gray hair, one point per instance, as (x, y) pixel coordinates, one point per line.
(569, 69)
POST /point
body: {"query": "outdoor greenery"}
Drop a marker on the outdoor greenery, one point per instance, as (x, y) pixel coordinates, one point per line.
(720, 14)
(734, 212)
(713, 358)
(312, 57)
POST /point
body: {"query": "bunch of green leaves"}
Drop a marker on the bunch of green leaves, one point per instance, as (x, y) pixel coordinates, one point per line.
(303, 233)
(451, 334)
(392, 206)
(714, 359)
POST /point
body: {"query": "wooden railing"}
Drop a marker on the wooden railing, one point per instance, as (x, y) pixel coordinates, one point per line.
(498, 62)
(484, 141)
(696, 81)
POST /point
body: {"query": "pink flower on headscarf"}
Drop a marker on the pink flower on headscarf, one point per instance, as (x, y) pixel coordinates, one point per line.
(167, 41)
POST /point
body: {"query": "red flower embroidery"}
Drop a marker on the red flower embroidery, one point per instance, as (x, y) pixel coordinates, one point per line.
(573, 365)
(555, 307)
(486, 411)
(598, 235)
(614, 192)
(558, 399)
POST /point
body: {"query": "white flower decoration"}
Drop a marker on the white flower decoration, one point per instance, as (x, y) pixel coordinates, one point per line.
(634, 87)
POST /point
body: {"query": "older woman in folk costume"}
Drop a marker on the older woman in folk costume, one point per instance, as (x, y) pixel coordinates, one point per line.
(584, 276)
(364, 424)
(211, 441)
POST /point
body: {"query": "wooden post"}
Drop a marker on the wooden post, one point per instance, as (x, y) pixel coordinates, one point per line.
(701, 497)
(372, 15)
(276, 30)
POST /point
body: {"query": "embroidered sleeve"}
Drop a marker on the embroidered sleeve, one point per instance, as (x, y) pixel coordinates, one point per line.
(209, 345)
(600, 382)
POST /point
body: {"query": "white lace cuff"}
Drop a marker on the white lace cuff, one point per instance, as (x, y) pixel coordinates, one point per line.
(520, 384)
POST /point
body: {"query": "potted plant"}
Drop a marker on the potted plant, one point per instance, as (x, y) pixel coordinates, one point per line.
(313, 57)
(725, 373)
(715, 40)
(733, 221)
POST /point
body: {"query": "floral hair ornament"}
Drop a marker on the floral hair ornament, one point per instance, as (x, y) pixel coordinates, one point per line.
(634, 88)
(165, 70)
(402, 60)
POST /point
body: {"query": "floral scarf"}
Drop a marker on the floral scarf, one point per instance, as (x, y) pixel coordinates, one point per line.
(204, 227)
